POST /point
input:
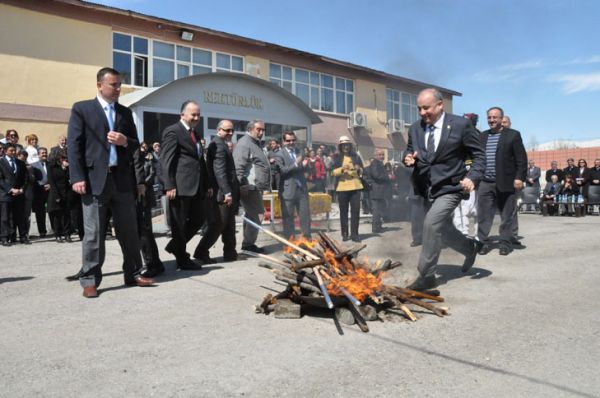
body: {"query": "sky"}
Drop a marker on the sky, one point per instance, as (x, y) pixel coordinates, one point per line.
(538, 60)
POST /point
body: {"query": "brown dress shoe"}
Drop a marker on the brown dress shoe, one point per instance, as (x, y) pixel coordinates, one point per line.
(90, 292)
(141, 281)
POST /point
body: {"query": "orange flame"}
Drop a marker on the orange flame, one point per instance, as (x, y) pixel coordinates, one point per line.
(355, 277)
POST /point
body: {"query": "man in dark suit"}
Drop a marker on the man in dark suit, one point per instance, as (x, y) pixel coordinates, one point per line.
(293, 192)
(571, 169)
(505, 173)
(102, 138)
(221, 171)
(186, 182)
(41, 189)
(381, 189)
(55, 150)
(554, 170)
(438, 146)
(13, 176)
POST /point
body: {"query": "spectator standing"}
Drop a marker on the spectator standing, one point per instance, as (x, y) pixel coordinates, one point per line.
(62, 145)
(347, 169)
(505, 173)
(58, 198)
(583, 177)
(316, 172)
(293, 190)
(571, 168)
(253, 170)
(41, 190)
(13, 177)
(28, 194)
(32, 148)
(595, 173)
(221, 171)
(272, 149)
(533, 175)
(144, 164)
(554, 170)
(12, 137)
(381, 187)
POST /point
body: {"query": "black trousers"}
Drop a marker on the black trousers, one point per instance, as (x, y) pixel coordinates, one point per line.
(222, 223)
(378, 209)
(12, 219)
(61, 221)
(489, 199)
(187, 217)
(349, 199)
(40, 198)
(148, 245)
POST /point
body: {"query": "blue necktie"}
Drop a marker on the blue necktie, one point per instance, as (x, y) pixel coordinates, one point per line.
(112, 157)
(13, 165)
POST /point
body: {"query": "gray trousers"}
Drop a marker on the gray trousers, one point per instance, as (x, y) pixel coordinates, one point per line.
(95, 208)
(300, 205)
(438, 227)
(490, 199)
(252, 201)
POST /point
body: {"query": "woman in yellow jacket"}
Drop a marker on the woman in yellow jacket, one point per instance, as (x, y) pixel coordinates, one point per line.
(347, 170)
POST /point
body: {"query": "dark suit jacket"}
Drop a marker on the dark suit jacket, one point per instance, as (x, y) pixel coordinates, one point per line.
(377, 176)
(511, 159)
(182, 167)
(58, 178)
(557, 172)
(10, 180)
(289, 174)
(534, 175)
(572, 171)
(88, 148)
(440, 173)
(221, 171)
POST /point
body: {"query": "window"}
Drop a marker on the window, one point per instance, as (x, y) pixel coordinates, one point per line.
(150, 63)
(320, 91)
(130, 58)
(281, 75)
(402, 106)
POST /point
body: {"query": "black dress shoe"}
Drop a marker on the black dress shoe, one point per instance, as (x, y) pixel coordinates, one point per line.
(205, 258)
(5, 243)
(485, 249)
(59, 239)
(74, 277)
(43, 234)
(345, 238)
(230, 259)
(189, 265)
(153, 271)
(253, 248)
(424, 283)
(68, 239)
(470, 258)
(414, 243)
(355, 238)
(505, 251)
(25, 241)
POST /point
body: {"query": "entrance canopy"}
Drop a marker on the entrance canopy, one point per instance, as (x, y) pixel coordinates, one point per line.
(221, 95)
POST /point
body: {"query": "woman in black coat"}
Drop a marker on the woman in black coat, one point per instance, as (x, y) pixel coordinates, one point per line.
(58, 197)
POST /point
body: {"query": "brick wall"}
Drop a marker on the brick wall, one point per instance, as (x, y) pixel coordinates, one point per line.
(543, 158)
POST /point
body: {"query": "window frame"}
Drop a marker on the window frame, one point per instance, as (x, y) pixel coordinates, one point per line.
(190, 65)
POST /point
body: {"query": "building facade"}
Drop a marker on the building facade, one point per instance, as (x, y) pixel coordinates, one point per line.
(52, 49)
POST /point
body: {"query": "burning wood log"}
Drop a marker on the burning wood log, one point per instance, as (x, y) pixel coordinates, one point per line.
(323, 272)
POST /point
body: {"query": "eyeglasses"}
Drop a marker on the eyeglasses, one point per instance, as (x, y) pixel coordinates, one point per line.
(227, 130)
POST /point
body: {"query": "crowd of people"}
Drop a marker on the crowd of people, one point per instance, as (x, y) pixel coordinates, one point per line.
(450, 173)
